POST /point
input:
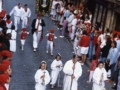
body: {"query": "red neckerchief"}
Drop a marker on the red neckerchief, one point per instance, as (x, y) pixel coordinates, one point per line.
(8, 21)
(25, 10)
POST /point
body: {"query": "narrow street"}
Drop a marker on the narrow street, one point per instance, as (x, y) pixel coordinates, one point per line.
(25, 63)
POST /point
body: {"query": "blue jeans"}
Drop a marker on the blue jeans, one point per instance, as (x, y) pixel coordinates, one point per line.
(90, 53)
(103, 59)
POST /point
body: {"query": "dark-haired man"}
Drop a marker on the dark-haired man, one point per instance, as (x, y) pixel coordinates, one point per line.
(17, 11)
(72, 71)
(26, 13)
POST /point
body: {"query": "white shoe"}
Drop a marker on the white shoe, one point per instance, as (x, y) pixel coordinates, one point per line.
(61, 36)
(34, 50)
(51, 54)
(47, 51)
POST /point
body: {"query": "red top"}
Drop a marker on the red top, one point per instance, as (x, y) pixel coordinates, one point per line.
(51, 37)
(23, 35)
(88, 30)
(95, 40)
(85, 41)
(93, 65)
(8, 21)
(2, 14)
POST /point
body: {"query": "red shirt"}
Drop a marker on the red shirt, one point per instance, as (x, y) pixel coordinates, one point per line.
(93, 65)
(51, 37)
(85, 41)
(88, 30)
(95, 40)
(23, 35)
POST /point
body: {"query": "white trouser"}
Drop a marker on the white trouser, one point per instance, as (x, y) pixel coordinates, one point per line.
(23, 41)
(24, 22)
(75, 45)
(79, 51)
(72, 34)
(61, 20)
(54, 76)
(91, 76)
(13, 45)
(53, 12)
(36, 39)
(50, 44)
(16, 21)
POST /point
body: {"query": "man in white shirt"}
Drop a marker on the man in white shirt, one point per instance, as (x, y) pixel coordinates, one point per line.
(26, 13)
(72, 71)
(17, 11)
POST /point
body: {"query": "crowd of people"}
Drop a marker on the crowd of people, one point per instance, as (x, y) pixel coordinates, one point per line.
(90, 42)
(100, 47)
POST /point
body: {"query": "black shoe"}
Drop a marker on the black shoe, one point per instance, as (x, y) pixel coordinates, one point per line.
(114, 87)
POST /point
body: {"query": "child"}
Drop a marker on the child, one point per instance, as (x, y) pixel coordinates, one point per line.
(56, 67)
(23, 35)
(42, 77)
(92, 68)
(50, 41)
(8, 22)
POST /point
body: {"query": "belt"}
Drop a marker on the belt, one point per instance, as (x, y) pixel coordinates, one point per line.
(68, 75)
(12, 39)
(39, 31)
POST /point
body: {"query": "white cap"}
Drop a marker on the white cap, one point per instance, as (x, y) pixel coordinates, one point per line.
(43, 62)
(76, 12)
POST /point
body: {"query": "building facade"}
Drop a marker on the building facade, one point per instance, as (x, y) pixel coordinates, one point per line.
(106, 13)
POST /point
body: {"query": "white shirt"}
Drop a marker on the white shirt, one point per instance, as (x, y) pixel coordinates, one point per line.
(74, 22)
(26, 14)
(16, 11)
(53, 4)
(71, 17)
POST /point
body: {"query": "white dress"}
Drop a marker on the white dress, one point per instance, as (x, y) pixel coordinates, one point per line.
(38, 80)
(68, 71)
(12, 40)
(55, 70)
(96, 79)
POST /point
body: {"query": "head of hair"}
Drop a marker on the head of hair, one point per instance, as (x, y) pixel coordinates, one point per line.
(107, 30)
(64, 18)
(8, 17)
(74, 56)
(19, 4)
(57, 56)
(84, 32)
(114, 43)
(13, 27)
(100, 62)
(25, 5)
(41, 65)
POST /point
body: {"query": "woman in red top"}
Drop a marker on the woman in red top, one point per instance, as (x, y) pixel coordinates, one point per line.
(84, 43)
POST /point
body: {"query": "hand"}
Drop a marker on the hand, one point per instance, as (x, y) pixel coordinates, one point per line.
(58, 66)
(88, 70)
(42, 76)
(73, 67)
(72, 76)
(100, 81)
